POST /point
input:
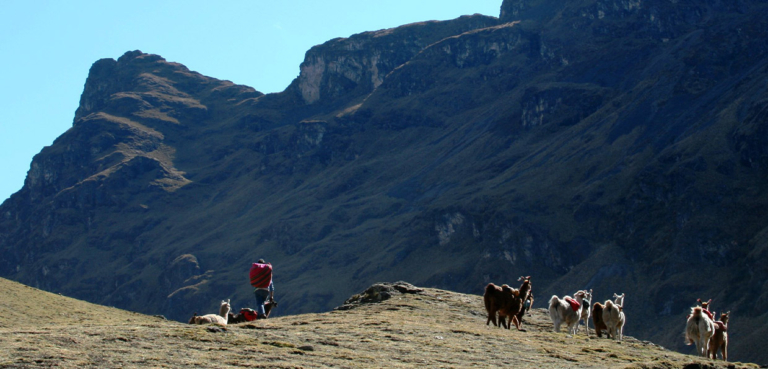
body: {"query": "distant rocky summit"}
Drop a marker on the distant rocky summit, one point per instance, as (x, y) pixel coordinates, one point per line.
(618, 146)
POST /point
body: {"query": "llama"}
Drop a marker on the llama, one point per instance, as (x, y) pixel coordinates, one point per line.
(220, 319)
(719, 340)
(566, 310)
(494, 298)
(585, 311)
(597, 319)
(505, 319)
(247, 314)
(698, 330)
(618, 299)
(705, 308)
(513, 308)
(526, 307)
(613, 317)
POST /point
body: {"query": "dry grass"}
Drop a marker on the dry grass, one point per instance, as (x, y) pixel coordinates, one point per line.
(435, 328)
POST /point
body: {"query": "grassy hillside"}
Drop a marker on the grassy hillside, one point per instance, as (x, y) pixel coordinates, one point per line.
(429, 328)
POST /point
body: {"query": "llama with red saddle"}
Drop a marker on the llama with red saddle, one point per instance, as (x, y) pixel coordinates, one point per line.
(566, 311)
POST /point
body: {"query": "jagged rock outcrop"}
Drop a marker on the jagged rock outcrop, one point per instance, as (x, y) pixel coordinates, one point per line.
(613, 145)
(352, 67)
(379, 292)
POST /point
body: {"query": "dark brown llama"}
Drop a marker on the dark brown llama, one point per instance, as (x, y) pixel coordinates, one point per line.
(495, 297)
(597, 319)
(516, 305)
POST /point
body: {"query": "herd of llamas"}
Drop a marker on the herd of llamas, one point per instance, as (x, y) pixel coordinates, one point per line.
(506, 306)
(510, 304)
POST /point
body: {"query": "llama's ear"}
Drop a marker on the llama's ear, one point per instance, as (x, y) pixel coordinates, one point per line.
(709, 302)
(698, 300)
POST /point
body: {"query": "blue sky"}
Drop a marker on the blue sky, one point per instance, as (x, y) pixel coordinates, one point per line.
(47, 47)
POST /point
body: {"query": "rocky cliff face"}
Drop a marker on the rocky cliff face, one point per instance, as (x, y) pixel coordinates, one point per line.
(352, 67)
(613, 145)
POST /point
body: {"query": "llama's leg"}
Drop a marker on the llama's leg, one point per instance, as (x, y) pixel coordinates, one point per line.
(492, 317)
(725, 350)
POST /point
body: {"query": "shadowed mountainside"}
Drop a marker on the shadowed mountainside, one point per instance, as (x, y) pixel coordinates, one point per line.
(613, 145)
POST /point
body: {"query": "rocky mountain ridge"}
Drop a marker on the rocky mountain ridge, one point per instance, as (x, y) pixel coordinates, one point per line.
(614, 145)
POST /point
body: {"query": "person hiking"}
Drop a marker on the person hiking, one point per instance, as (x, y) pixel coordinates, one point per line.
(261, 280)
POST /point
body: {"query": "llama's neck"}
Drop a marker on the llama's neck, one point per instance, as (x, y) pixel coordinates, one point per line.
(224, 311)
(619, 301)
(524, 289)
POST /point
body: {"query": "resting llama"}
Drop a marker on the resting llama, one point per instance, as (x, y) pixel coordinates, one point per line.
(699, 330)
(566, 310)
(220, 319)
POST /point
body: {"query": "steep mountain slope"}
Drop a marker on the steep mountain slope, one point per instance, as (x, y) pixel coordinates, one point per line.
(426, 327)
(613, 145)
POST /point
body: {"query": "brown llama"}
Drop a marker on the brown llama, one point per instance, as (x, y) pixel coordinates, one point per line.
(719, 340)
(494, 298)
(597, 319)
(514, 307)
(527, 304)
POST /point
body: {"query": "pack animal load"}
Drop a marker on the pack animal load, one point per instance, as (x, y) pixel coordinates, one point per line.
(261, 275)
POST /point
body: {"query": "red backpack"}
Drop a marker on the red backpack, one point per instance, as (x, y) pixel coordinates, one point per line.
(261, 275)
